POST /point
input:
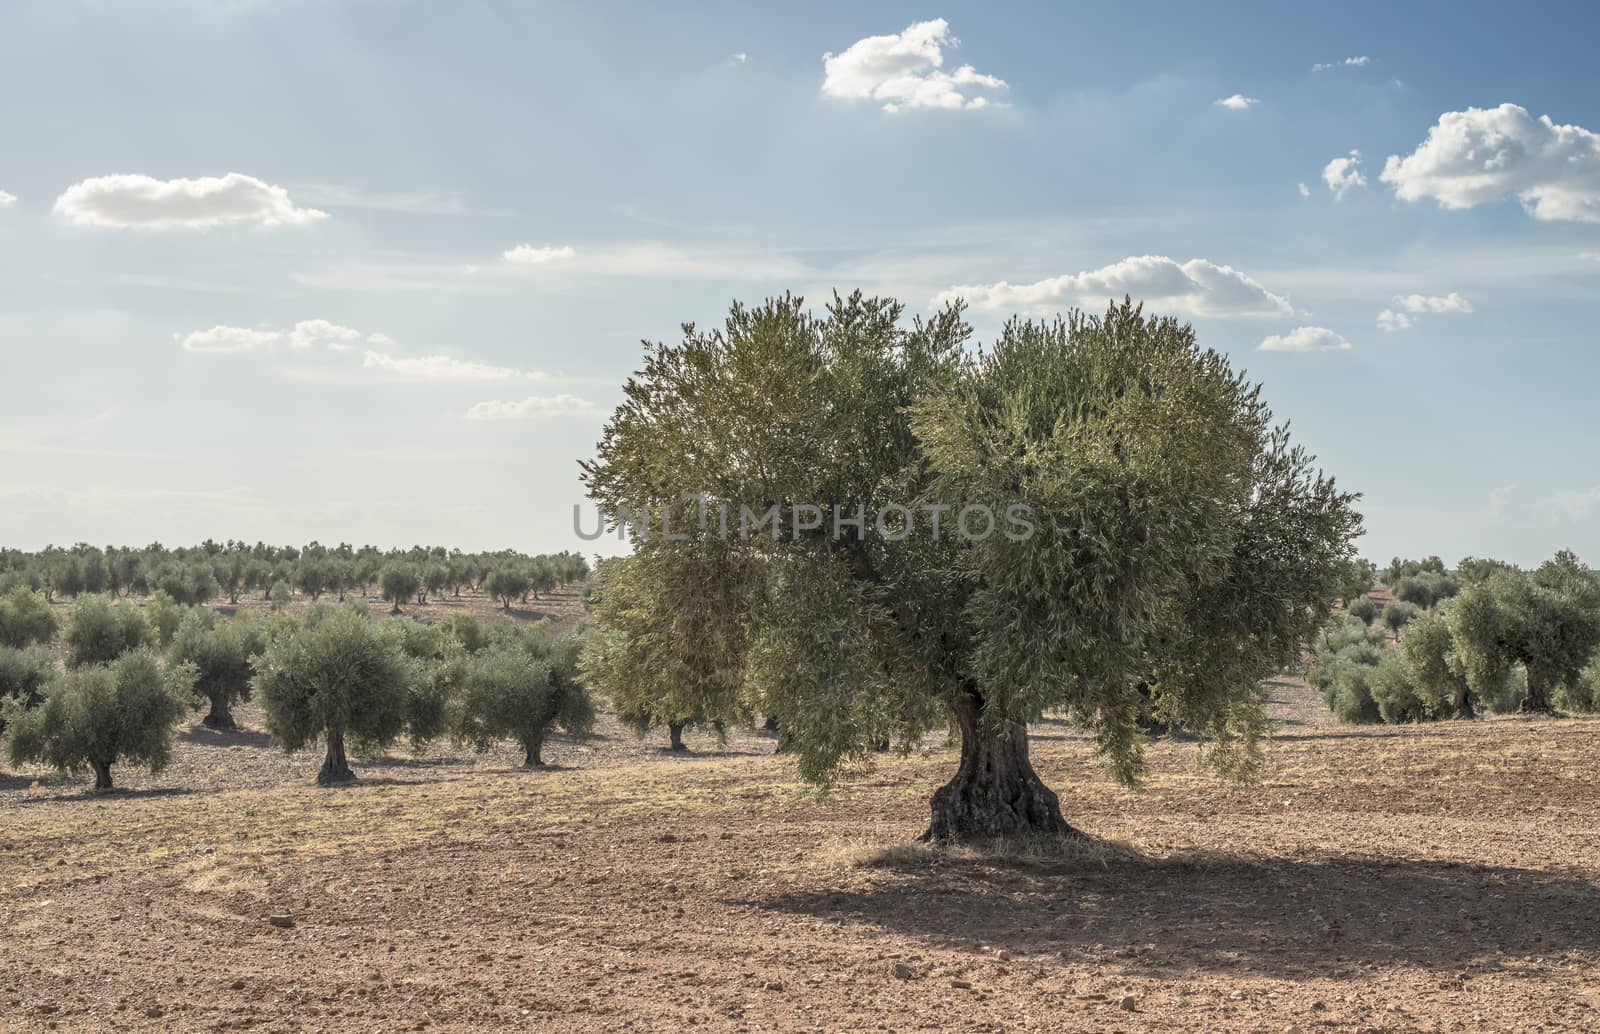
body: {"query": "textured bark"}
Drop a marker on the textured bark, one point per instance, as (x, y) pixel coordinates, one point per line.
(1464, 708)
(995, 793)
(535, 753)
(1533, 699)
(335, 767)
(675, 730)
(220, 716)
(102, 775)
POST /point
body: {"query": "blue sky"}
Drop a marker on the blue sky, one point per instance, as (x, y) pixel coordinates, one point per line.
(661, 160)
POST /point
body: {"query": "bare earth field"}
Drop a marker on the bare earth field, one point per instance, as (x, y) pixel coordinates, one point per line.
(1444, 877)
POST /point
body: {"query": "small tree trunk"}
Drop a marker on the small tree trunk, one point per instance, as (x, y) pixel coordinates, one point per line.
(675, 731)
(535, 749)
(220, 716)
(995, 793)
(335, 767)
(1533, 699)
(1464, 708)
(102, 776)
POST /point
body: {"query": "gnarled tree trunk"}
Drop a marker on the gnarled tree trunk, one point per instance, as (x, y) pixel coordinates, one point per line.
(220, 716)
(335, 767)
(1533, 699)
(675, 731)
(995, 793)
(535, 752)
(1464, 708)
(102, 775)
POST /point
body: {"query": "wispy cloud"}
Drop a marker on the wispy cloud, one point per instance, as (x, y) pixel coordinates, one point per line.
(529, 255)
(1237, 102)
(1305, 339)
(1349, 62)
(533, 406)
(1199, 287)
(7, 200)
(442, 369)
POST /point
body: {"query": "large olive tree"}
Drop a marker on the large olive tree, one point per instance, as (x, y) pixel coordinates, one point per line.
(1158, 546)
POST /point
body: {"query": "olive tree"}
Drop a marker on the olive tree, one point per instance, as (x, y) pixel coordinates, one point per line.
(100, 633)
(1162, 547)
(508, 583)
(398, 583)
(25, 618)
(95, 717)
(25, 673)
(223, 654)
(520, 686)
(1547, 621)
(334, 676)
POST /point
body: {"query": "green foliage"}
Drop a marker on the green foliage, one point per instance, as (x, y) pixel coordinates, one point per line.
(1428, 652)
(102, 715)
(1357, 578)
(100, 633)
(25, 618)
(223, 655)
(1426, 589)
(1363, 609)
(438, 661)
(1183, 549)
(1397, 614)
(507, 584)
(334, 676)
(1394, 691)
(25, 673)
(1399, 569)
(1581, 694)
(469, 632)
(398, 582)
(188, 583)
(165, 614)
(518, 687)
(1548, 622)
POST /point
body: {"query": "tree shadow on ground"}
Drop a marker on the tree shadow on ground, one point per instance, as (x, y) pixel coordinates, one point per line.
(75, 790)
(1278, 917)
(206, 736)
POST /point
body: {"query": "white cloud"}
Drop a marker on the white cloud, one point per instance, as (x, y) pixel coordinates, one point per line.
(1305, 191)
(1354, 62)
(527, 254)
(533, 406)
(1199, 287)
(1399, 314)
(7, 200)
(1305, 339)
(140, 201)
(1392, 320)
(1499, 498)
(1238, 102)
(309, 333)
(1575, 505)
(1343, 174)
(741, 58)
(1485, 154)
(906, 71)
(442, 368)
(229, 339)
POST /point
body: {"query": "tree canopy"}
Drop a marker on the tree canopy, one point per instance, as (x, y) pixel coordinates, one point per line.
(1095, 516)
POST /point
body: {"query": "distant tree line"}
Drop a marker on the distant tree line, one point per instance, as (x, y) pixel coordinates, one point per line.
(213, 570)
(1487, 636)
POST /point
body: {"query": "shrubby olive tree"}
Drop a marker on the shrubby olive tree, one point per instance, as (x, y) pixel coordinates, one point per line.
(1182, 549)
(100, 633)
(1363, 608)
(518, 687)
(508, 583)
(223, 655)
(165, 614)
(336, 676)
(95, 717)
(1397, 614)
(398, 583)
(25, 673)
(25, 618)
(1547, 621)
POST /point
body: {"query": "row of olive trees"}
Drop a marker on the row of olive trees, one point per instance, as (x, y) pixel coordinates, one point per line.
(1496, 638)
(335, 677)
(212, 570)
